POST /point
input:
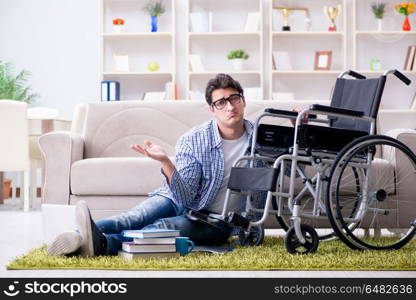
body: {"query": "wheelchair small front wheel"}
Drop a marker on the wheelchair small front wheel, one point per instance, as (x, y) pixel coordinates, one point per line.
(294, 246)
(254, 237)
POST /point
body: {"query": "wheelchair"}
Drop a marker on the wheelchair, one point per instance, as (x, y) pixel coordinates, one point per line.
(332, 170)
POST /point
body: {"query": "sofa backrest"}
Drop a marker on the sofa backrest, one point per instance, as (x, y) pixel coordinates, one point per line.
(109, 128)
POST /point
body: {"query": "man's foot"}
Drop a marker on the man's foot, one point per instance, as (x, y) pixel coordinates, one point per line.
(93, 240)
(65, 243)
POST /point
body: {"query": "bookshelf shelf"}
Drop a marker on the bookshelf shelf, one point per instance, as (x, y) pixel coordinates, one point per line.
(370, 32)
(153, 74)
(225, 33)
(307, 72)
(299, 47)
(141, 46)
(138, 35)
(225, 28)
(307, 33)
(231, 72)
(388, 48)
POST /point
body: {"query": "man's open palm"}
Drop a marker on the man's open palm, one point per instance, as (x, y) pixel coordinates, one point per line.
(151, 150)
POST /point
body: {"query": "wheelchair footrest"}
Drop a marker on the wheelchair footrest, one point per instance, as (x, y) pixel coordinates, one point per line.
(237, 220)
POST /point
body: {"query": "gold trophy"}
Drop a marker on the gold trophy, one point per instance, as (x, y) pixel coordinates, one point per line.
(332, 13)
(286, 12)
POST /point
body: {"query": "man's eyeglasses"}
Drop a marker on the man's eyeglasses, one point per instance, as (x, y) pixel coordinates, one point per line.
(222, 103)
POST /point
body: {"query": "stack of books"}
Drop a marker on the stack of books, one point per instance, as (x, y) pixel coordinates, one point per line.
(159, 243)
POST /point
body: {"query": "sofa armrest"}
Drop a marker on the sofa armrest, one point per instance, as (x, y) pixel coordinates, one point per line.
(406, 136)
(59, 150)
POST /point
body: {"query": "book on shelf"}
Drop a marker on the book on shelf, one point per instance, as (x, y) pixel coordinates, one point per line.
(281, 60)
(252, 93)
(210, 16)
(138, 255)
(199, 22)
(409, 63)
(154, 96)
(121, 62)
(196, 95)
(169, 90)
(252, 22)
(150, 233)
(110, 90)
(196, 63)
(283, 96)
(413, 104)
(147, 248)
(161, 241)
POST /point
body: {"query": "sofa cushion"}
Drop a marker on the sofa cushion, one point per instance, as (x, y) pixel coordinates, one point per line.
(115, 176)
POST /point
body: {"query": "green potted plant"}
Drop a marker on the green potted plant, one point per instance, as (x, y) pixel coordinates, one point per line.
(237, 57)
(155, 9)
(15, 87)
(379, 9)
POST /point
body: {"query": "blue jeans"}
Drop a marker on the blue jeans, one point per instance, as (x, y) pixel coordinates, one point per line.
(158, 212)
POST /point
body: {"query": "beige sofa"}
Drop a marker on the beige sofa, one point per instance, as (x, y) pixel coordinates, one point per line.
(94, 162)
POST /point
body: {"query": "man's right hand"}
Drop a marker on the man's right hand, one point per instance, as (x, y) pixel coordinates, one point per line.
(152, 151)
(157, 153)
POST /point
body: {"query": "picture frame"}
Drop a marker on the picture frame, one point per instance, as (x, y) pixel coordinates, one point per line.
(323, 60)
(120, 62)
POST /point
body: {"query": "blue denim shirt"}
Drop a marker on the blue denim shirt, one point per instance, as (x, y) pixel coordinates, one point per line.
(199, 170)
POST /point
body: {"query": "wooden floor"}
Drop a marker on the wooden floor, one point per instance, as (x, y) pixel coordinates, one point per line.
(23, 231)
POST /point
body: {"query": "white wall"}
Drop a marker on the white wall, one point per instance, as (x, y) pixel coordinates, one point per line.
(58, 41)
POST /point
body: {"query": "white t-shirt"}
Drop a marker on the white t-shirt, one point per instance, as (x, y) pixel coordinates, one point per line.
(232, 150)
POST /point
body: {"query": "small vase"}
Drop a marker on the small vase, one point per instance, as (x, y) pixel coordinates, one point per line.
(406, 24)
(379, 25)
(238, 64)
(154, 23)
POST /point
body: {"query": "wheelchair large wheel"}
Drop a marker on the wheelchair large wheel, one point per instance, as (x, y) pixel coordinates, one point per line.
(254, 237)
(294, 246)
(368, 218)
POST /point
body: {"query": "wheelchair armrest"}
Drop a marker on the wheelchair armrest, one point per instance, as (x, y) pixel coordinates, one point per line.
(343, 111)
(289, 113)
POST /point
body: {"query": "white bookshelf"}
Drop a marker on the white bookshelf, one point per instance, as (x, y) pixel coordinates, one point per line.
(301, 43)
(390, 47)
(226, 32)
(140, 44)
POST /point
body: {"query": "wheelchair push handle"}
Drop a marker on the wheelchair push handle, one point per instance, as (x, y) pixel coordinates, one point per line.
(289, 113)
(401, 76)
(352, 74)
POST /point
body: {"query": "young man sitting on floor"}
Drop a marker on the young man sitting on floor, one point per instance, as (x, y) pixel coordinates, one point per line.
(198, 181)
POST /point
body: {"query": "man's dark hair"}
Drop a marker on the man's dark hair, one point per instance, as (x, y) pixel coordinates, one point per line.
(221, 81)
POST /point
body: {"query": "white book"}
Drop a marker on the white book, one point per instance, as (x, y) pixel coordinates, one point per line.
(104, 91)
(127, 255)
(413, 105)
(196, 95)
(283, 96)
(169, 90)
(149, 96)
(148, 248)
(150, 233)
(162, 240)
(199, 22)
(281, 60)
(252, 22)
(210, 21)
(196, 63)
(121, 62)
(252, 93)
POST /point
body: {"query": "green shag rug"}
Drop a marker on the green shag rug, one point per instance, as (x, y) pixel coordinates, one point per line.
(272, 255)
